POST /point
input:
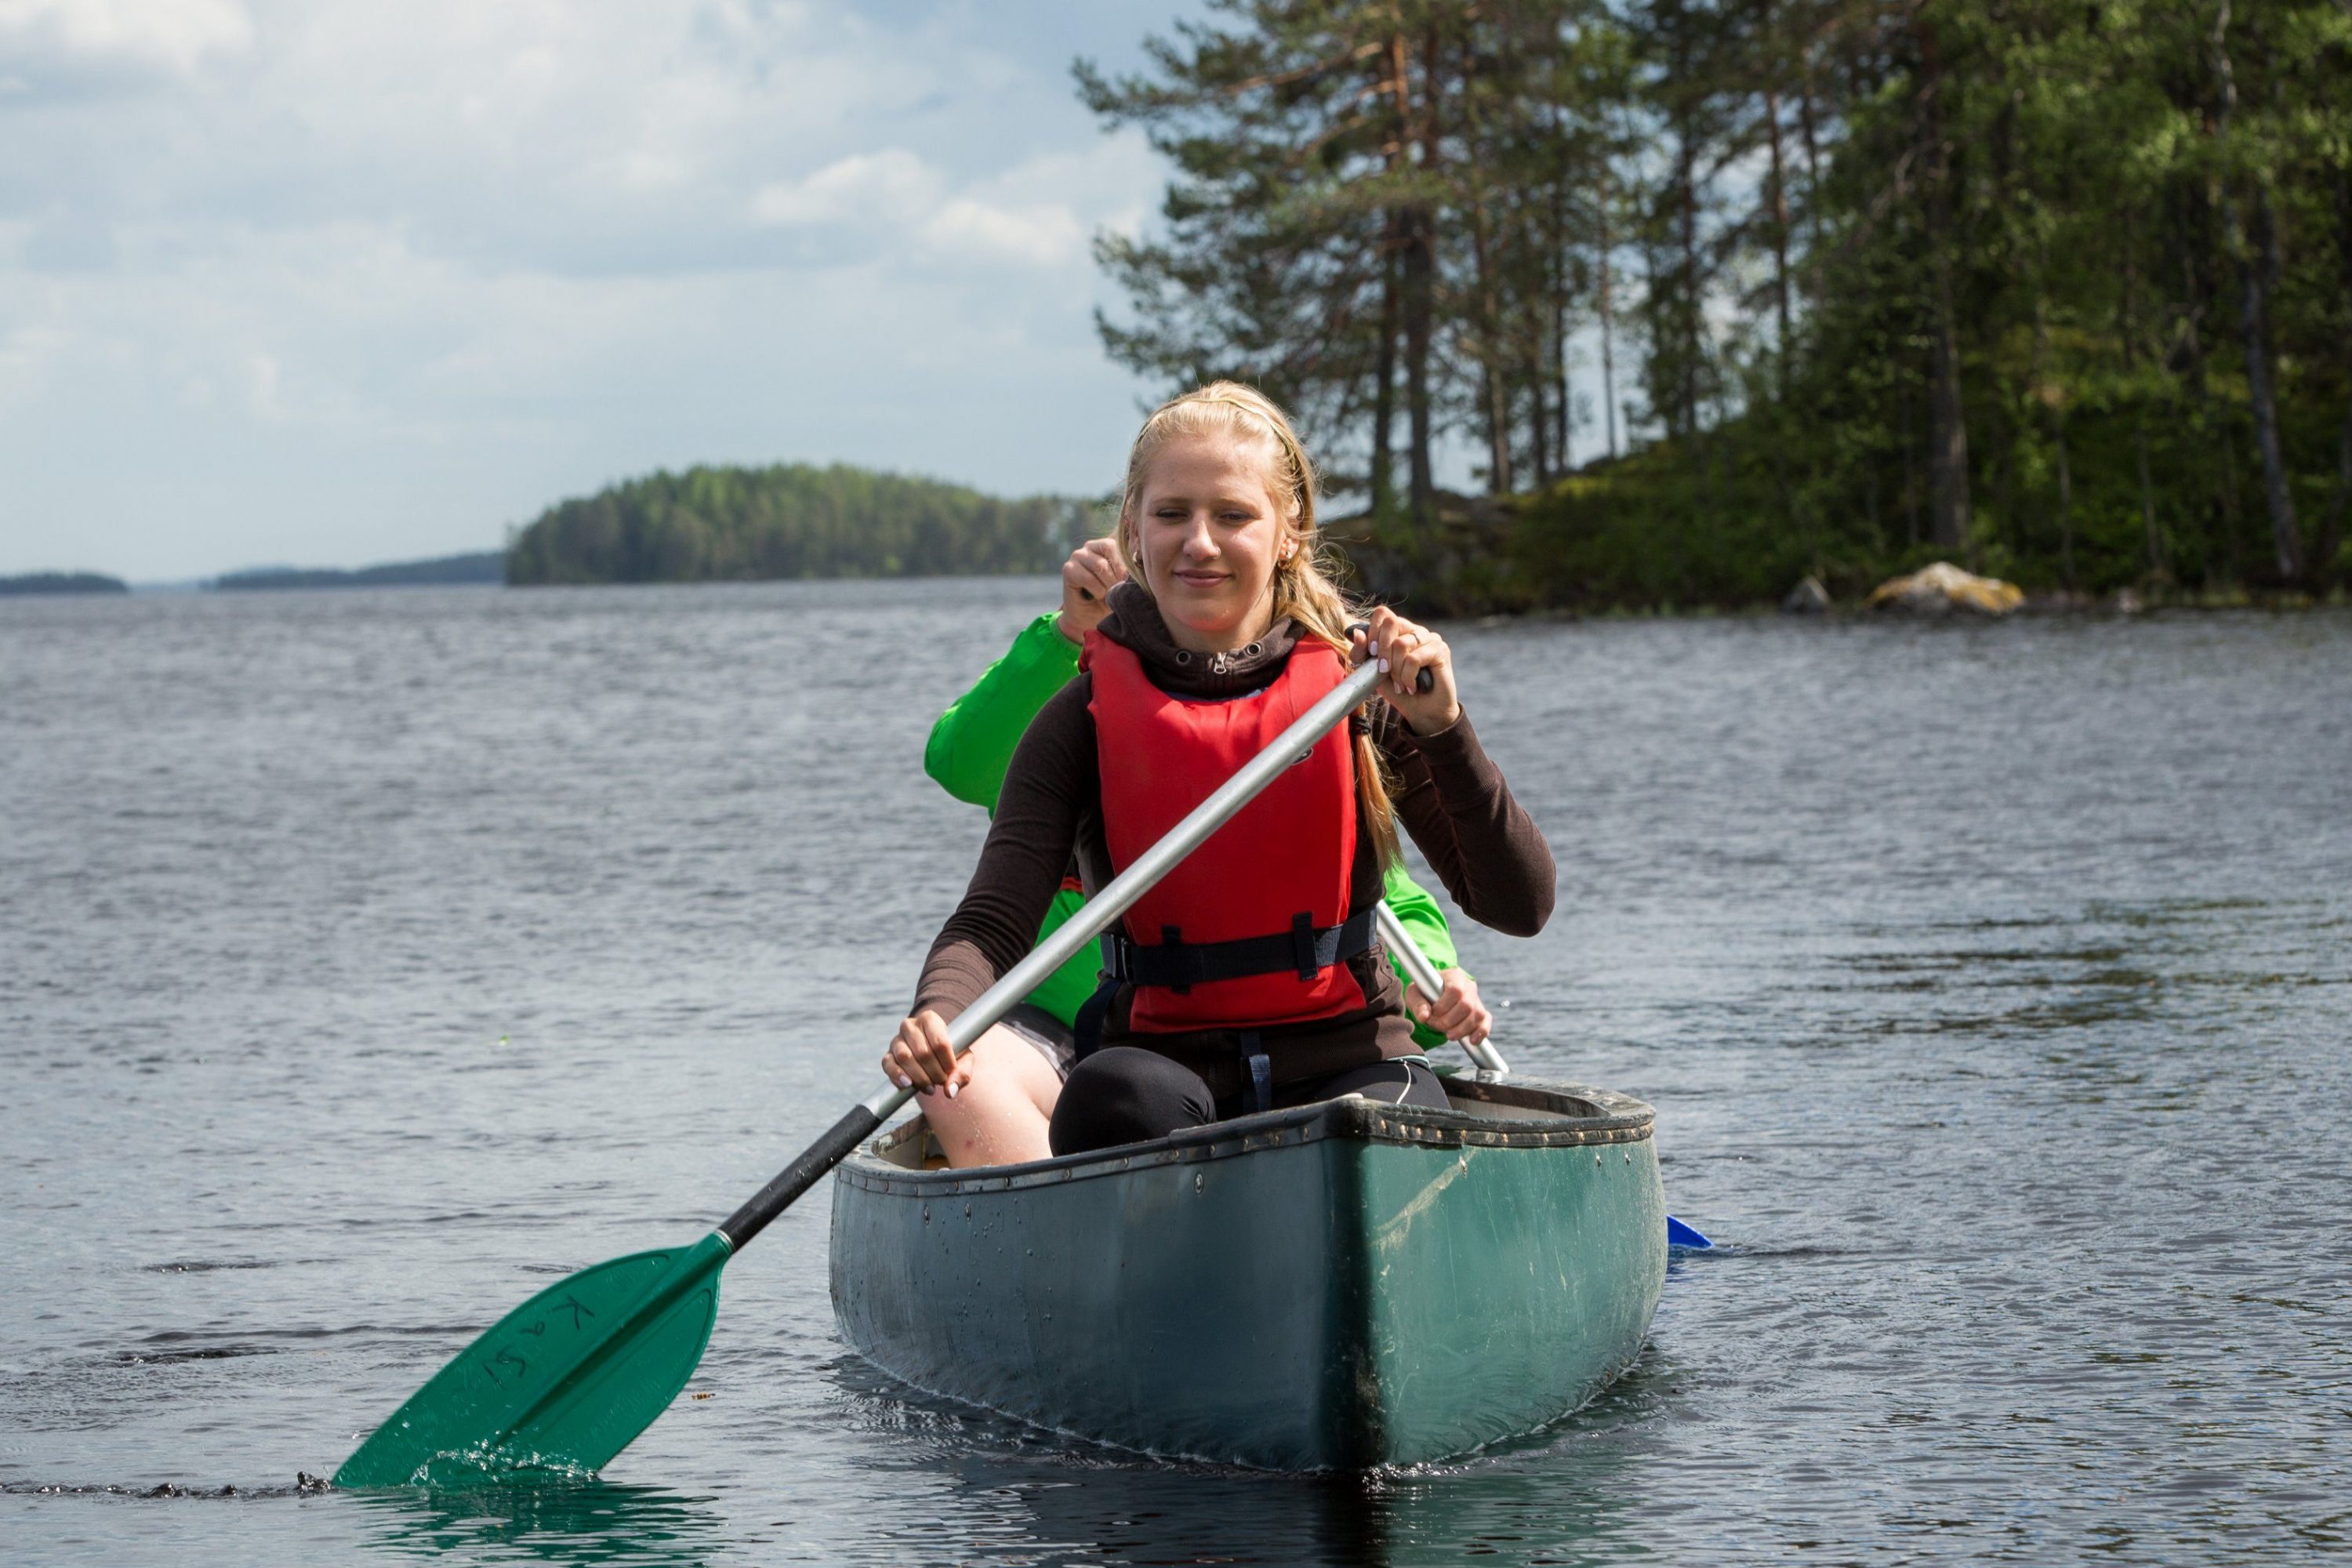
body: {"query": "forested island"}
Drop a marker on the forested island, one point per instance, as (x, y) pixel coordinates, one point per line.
(476, 566)
(717, 523)
(2063, 291)
(63, 582)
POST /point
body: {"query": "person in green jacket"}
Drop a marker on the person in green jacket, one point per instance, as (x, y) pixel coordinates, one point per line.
(997, 1111)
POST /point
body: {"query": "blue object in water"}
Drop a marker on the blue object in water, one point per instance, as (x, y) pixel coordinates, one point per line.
(1682, 1235)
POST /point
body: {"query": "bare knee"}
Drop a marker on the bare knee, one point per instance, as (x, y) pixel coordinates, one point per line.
(995, 1118)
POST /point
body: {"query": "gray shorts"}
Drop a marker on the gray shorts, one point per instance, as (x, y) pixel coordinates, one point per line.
(1048, 1034)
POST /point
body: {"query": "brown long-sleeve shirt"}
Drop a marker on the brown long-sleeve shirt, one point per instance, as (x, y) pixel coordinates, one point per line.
(1449, 797)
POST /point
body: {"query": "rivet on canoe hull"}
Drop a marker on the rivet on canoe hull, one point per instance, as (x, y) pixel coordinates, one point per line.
(1196, 1180)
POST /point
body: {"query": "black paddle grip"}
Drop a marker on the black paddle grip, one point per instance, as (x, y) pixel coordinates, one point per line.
(799, 1176)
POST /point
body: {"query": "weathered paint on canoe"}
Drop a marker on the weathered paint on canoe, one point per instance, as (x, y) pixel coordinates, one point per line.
(1342, 1285)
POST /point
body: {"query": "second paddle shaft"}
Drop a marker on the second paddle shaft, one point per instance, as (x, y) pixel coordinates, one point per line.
(1432, 984)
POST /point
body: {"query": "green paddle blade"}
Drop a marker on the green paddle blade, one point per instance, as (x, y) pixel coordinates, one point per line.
(562, 1383)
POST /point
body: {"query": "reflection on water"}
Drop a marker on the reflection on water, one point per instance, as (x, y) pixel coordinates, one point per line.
(367, 960)
(1018, 1495)
(582, 1523)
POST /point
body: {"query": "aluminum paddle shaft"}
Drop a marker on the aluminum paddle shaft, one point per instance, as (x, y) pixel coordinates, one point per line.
(1425, 975)
(1115, 899)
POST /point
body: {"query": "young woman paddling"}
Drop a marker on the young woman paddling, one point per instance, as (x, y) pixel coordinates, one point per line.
(1249, 977)
(1013, 1073)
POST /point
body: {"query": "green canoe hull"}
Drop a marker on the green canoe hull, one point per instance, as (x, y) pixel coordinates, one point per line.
(1341, 1285)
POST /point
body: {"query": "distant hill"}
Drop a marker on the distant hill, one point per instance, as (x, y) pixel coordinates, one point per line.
(481, 566)
(792, 520)
(64, 583)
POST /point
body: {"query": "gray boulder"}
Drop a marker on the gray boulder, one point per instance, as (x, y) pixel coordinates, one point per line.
(1807, 598)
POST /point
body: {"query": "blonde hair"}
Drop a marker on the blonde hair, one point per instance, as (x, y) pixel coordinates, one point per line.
(1304, 575)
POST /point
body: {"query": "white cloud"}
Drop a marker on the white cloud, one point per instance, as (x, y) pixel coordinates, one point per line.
(1042, 236)
(892, 185)
(898, 195)
(176, 34)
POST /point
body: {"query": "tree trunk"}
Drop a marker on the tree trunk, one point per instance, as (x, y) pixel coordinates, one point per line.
(1687, 194)
(1416, 126)
(2323, 556)
(1780, 236)
(1417, 313)
(1539, 404)
(1948, 442)
(1490, 374)
(1563, 414)
(1554, 369)
(1608, 352)
(1494, 369)
(2054, 396)
(2140, 417)
(2258, 261)
(1813, 147)
(2198, 297)
(2065, 500)
(1686, 320)
(2262, 392)
(1914, 441)
(1384, 477)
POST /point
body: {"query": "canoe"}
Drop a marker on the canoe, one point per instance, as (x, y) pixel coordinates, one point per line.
(1339, 1286)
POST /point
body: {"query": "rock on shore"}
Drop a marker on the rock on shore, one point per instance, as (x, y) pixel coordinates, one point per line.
(1943, 588)
(1807, 598)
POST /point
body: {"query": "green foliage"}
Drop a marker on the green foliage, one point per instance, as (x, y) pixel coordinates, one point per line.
(790, 520)
(2057, 288)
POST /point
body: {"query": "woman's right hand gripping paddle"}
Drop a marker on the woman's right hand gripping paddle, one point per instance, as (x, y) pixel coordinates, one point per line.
(923, 1057)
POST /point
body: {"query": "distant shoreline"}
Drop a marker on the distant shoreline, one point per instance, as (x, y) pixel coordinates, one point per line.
(486, 567)
(41, 583)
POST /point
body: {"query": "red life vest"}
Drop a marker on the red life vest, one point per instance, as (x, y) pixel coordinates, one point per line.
(1277, 874)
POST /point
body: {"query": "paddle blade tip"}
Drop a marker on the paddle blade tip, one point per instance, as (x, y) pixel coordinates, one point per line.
(1686, 1237)
(561, 1384)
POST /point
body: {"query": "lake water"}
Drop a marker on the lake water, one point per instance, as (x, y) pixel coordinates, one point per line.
(366, 959)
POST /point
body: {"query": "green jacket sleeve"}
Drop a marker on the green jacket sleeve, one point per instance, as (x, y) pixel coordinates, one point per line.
(1419, 913)
(972, 743)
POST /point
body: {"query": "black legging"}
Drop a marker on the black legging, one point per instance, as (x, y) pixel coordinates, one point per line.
(1125, 1094)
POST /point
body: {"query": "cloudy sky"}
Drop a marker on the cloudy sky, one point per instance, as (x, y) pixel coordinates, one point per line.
(328, 282)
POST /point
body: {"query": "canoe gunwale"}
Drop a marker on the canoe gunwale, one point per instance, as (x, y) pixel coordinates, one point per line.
(1620, 1119)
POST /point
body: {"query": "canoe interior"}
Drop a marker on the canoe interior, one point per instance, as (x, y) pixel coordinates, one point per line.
(1340, 1285)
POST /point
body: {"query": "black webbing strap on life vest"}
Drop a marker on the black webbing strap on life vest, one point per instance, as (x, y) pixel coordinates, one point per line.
(1305, 949)
(1260, 1069)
